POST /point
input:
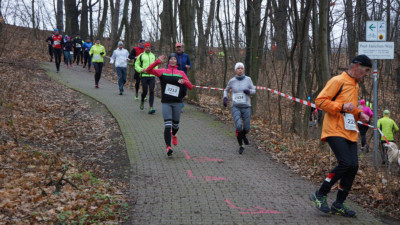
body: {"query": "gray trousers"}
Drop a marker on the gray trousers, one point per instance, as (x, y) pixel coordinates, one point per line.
(171, 114)
(239, 115)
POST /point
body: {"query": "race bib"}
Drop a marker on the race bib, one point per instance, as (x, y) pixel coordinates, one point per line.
(56, 42)
(96, 57)
(71, 52)
(239, 97)
(172, 90)
(78, 45)
(349, 122)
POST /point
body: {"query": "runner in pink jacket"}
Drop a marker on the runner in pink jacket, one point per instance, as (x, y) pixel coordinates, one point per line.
(362, 128)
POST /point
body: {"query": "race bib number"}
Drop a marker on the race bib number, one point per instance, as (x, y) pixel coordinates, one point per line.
(71, 52)
(349, 122)
(78, 45)
(96, 57)
(56, 42)
(172, 90)
(239, 97)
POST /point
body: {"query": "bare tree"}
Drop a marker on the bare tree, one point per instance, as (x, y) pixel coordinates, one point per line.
(136, 22)
(71, 17)
(102, 24)
(114, 22)
(60, 15)
(204, 34)
(324, 76)
(187, 21)
(166, 25)
(221, 33)
(84, 19)
(280, 23)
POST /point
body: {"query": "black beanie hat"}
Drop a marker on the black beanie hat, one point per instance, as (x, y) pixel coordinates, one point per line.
(172, 55)
(363, 60)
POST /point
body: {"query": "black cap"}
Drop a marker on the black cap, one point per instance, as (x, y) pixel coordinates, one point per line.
(363, 60)
(141, 41)
(172, 55)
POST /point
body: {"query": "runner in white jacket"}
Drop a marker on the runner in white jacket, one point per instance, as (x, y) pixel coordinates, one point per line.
(120, 58)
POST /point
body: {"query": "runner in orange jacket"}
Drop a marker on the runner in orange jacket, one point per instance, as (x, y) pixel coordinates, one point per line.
(339, 100)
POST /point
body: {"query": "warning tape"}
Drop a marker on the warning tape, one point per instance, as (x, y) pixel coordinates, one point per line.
(366, 124)
(304, 102)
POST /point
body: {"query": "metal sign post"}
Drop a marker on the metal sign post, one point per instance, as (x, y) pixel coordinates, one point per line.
(375, 48)
(375, 69)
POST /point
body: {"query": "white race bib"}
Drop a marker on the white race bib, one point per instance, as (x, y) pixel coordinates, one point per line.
(239, 97)
(172, 90)
(56, 42)
(96, 57)
(71, 52)
(77, 45)
(349, 122)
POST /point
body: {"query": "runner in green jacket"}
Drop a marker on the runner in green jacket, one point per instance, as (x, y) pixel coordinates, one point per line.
(148, 81)
(97, 52)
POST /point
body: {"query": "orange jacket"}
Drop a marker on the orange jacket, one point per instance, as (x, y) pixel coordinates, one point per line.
(333, 125)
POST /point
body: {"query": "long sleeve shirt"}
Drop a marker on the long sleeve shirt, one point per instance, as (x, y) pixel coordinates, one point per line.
(239, 98)
(120, 57)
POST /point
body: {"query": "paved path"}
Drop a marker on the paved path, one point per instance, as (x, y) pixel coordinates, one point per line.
(206, 181)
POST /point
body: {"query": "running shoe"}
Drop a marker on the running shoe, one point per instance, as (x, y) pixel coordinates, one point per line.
(320, 202)
(142, 106)
(174, 140)
(169, 151)
(152, 111)
(342, 210)
(241, 149)
(57, 71)
(245, 140)
(137, 98)
(96, 86)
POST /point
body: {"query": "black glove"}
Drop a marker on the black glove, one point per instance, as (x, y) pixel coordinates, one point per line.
(247, 91)
(101, 53)
(225, 101)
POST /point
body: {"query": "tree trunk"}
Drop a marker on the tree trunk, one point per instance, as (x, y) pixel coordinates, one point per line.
(237, 21)
(280, 21)
(124, 22)
(351, 42)
(1, 23)
(136, 22)
(114, 23)
(71, 17)
(166, 26)
(221, 33)
(84, 20)
(324, 76)
(60, 16)
(33, 18)
(204, 35)
(102, 24)
(187, 21)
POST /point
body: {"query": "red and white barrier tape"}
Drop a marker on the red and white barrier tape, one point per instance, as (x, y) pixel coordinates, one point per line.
(366, 124)
(304, 102)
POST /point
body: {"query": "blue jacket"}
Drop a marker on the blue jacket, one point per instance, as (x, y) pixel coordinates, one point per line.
(182, 61)
(87, 45)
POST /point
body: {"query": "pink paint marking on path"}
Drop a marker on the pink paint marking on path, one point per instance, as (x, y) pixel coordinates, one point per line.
(206, 178)
(202, 159)
(251, 211)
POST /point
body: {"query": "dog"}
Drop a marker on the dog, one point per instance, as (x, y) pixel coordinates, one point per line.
(393, 153)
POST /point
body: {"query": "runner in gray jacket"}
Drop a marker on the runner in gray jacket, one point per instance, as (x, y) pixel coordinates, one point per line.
(242, 87)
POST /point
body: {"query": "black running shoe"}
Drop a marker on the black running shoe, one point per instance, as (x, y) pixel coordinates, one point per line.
(241, 149)
(342, 210)
(169, 151)
(320, 202)
(245, 140)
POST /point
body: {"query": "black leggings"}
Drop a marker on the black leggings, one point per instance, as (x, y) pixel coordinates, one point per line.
(98, 66)
(57, 57)
(51, 52)
(346, 170)
(88, 60)
(137, 83)
(151, 83)
(77, 55)
(363, 133)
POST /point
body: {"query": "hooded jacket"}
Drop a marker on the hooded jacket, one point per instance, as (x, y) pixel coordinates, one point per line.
(171, 90)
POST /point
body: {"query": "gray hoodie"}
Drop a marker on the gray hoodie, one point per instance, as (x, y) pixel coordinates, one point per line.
(239, 98)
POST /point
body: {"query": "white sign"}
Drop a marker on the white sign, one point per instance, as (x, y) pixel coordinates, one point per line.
(376, 50)
(376, 31)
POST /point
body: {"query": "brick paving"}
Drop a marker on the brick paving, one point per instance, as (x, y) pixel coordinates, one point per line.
(194, 187)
